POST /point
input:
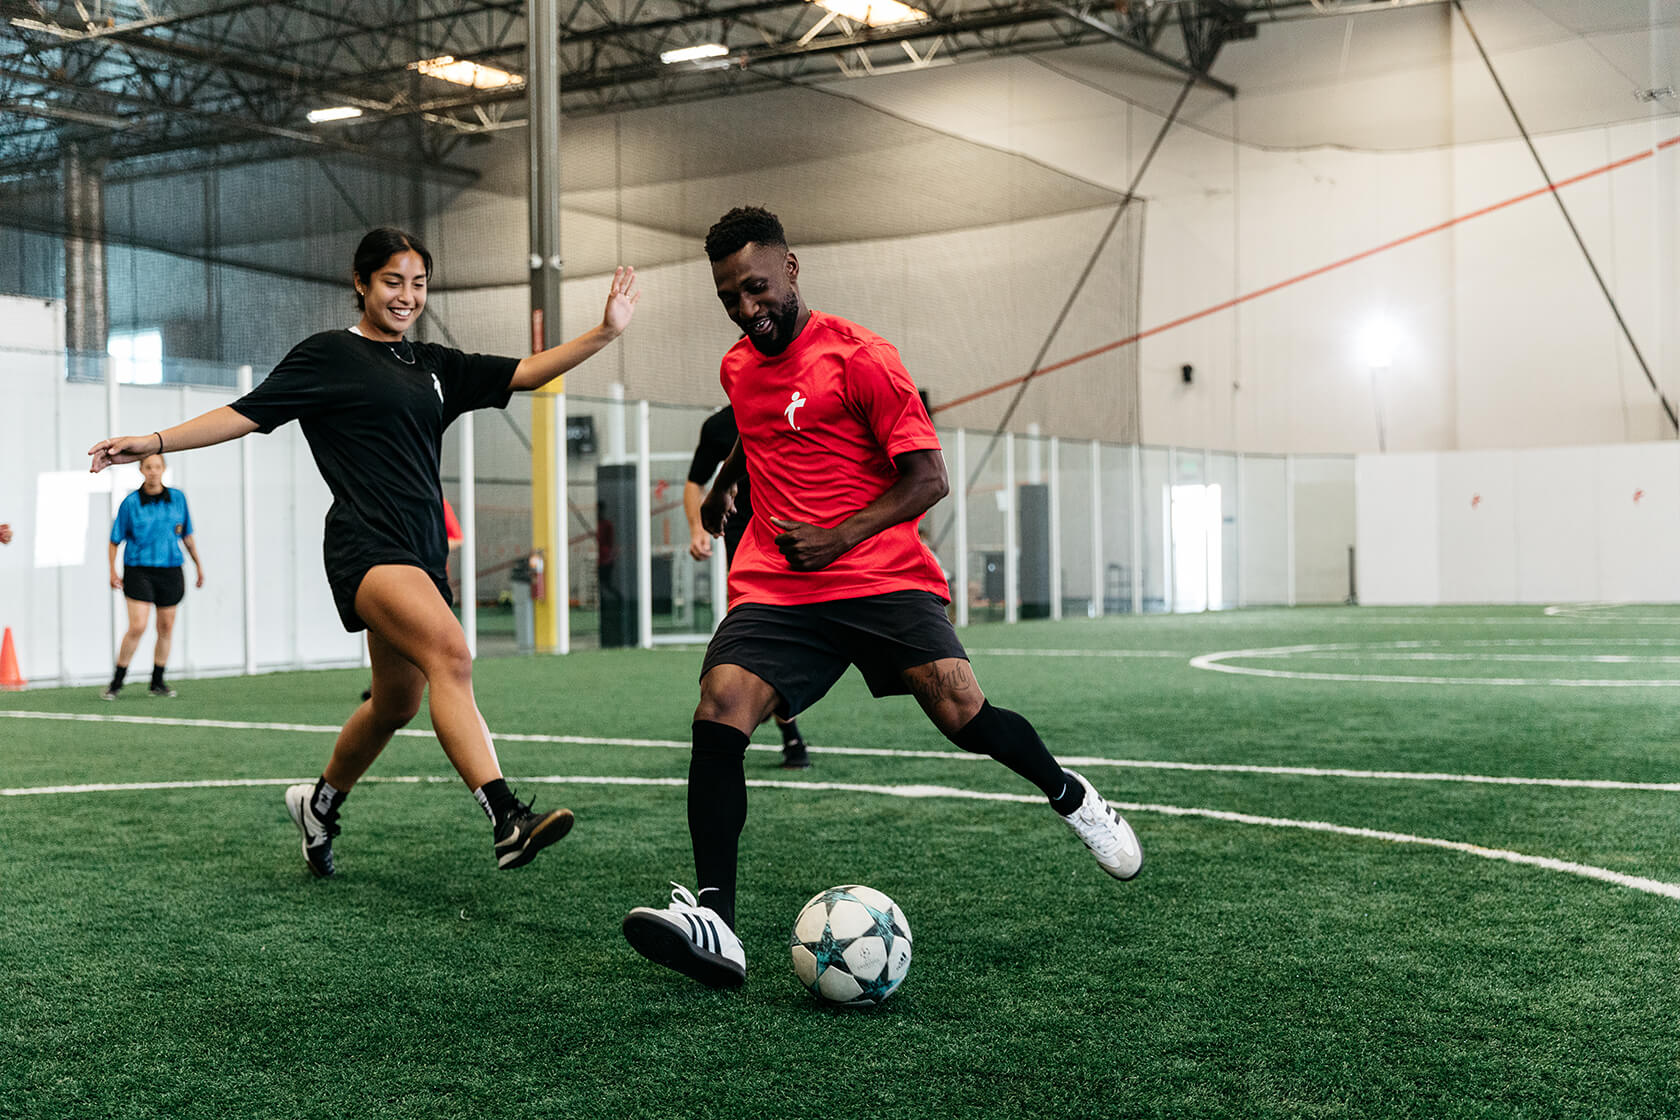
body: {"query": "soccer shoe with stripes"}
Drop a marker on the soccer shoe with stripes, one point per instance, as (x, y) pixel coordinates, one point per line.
(522, 834)
(1106, 833)
(690, 938)
(318, 832)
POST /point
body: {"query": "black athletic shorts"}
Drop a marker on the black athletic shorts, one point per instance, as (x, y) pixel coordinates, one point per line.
(802, 650)
(163, 586)
(345, 586)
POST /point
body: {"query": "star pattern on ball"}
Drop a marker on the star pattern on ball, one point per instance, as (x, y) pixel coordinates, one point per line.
(830, 952)
(871, 950)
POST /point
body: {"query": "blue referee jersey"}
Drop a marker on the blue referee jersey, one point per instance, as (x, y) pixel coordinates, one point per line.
(152, 529)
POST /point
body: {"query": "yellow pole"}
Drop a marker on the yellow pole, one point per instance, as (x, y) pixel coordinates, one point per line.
(547, 538)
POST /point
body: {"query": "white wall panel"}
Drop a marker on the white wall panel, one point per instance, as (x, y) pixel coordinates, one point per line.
(1324, 528)
(1639, 522)
(1263, 527)
(1563, 525)
(1398, 519)
(1557, 546)
(1478, 496)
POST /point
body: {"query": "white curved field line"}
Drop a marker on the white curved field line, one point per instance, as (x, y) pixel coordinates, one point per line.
(1546, 863)
(1215, 662)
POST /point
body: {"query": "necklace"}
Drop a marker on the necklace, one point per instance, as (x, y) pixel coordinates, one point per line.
(395, 353)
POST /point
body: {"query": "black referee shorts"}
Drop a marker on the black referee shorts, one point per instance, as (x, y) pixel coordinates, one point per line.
(802, 650)
(164, 586)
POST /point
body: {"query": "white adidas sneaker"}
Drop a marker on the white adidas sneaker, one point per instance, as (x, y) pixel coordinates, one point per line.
(1106, 833)
(690, 938)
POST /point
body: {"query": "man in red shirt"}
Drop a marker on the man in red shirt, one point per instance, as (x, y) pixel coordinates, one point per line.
(843, 462)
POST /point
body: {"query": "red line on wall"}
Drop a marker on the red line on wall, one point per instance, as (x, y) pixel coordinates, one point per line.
(1320, 271)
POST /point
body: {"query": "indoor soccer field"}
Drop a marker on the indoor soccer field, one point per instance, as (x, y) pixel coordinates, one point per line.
(1398, 862)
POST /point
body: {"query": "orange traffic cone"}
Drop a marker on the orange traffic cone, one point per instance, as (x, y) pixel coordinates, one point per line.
(10, 678)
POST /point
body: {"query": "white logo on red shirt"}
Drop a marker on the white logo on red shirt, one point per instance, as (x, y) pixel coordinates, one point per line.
(797, 402)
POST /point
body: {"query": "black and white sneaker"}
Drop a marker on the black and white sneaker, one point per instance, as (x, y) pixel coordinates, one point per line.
(1106, 833)
(523, 833)
(162, 690)
(111, 693)
(318, 832)
(690, 938)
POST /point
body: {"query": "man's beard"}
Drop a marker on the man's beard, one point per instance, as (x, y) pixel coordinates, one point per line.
(785, 319)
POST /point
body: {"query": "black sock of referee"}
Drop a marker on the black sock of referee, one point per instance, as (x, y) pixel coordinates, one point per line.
(1009, 738)
(117, 676)
(717, 812)
(157, 676)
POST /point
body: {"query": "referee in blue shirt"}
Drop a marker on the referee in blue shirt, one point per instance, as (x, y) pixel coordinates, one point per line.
(155, 524)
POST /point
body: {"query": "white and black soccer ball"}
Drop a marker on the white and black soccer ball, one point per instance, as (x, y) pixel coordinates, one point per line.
(851, 946)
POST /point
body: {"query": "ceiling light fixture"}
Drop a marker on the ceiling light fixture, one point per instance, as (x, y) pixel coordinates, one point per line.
(694, 53)
(335, 113)
(875, 13)
(475, 74)
(1377, 340)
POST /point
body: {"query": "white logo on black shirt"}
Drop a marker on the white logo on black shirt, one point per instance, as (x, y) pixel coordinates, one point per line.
(798, 401)
(437, 386)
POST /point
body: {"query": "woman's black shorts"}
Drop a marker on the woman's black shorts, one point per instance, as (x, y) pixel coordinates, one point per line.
(345, 585)
(163, 586)
(802, 650)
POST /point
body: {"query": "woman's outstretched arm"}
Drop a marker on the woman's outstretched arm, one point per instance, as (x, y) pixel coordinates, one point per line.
(539, 369)
(216, 426)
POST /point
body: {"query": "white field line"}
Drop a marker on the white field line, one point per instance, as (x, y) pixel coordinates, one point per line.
(1214, 662)
(1602, 874)
(879, 752)
(1173, 654)
(1554, 658)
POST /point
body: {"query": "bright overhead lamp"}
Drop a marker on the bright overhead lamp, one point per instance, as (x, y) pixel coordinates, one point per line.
(1377, 340)
(475, 74)
(694, 53)
(335, 113)
(875, 13)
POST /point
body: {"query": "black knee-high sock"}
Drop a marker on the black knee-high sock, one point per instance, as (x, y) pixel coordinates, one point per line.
(1009, 738)
(717, 811)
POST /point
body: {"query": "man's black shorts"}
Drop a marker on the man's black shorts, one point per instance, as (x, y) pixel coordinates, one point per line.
(164, 586)
(802, 650)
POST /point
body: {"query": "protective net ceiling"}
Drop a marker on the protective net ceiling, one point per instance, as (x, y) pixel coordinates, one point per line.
(960, 254)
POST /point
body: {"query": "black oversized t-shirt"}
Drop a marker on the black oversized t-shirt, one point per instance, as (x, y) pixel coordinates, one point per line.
(717, 440)
(375, 426)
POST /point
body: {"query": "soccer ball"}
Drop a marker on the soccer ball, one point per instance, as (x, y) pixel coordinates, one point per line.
(851, 946)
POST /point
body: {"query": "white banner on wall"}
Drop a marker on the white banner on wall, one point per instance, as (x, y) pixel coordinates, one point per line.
(61, 511)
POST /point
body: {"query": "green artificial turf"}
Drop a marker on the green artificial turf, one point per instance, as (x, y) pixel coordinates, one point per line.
(164, 952)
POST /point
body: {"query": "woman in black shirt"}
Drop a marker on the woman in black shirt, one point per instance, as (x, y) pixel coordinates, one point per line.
(373, 407)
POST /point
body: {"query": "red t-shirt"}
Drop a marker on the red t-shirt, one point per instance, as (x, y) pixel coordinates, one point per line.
(820, 424)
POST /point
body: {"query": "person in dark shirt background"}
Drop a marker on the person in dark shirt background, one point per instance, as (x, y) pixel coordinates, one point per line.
(717, 440)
